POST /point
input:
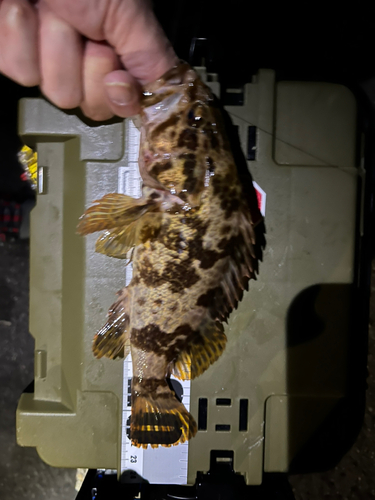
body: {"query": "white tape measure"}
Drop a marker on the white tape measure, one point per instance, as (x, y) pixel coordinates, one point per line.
(159, 465)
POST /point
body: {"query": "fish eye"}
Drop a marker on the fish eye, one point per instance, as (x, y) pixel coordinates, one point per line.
(195, 116)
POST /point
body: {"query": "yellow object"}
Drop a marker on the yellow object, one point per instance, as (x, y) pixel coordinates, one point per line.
(29, 161)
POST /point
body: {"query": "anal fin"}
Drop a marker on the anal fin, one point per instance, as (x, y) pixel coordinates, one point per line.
(112, 340)
(201, 352)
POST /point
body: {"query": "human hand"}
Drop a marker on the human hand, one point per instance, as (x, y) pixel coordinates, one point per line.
(89, 53)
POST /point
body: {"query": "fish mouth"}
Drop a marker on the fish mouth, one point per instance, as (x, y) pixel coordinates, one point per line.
(162, 109)
(173, 81)
(182, 73)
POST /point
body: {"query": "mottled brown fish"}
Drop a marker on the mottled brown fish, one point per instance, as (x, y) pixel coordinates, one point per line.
(195, 249)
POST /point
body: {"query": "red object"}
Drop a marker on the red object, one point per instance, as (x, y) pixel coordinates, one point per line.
(10, 218)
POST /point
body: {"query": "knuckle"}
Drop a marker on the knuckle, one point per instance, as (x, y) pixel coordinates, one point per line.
(97, 114)
(18, 13)
(22, 76)
(63, 101)
(28, 80)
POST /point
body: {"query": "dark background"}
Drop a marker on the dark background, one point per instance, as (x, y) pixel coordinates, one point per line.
(326, 41)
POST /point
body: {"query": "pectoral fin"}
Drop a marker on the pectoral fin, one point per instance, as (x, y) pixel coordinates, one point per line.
(112, 211)
(119, 241)
(128, 222)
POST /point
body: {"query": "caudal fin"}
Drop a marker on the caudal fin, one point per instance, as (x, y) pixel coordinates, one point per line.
(160, 421)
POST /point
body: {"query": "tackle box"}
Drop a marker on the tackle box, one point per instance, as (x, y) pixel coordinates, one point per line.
(287, 390)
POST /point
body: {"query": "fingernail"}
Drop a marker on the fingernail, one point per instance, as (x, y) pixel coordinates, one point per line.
(120, 93)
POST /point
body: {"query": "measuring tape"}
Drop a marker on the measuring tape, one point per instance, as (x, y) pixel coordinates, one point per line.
(158, 465)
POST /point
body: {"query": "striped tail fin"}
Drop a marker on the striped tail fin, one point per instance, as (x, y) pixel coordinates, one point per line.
(158, 418)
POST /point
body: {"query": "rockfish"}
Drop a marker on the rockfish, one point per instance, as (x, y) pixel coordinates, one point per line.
(194, 250)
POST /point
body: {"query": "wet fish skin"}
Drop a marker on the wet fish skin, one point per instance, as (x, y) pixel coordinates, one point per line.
(195, 244)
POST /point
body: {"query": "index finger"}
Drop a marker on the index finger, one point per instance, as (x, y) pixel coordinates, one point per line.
(129, 26)
(19, 42)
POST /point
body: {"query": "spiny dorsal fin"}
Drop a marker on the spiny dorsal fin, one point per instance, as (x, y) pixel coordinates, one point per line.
(244, 252)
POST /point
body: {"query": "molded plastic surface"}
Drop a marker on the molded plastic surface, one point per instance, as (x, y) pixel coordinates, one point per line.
(287, 342)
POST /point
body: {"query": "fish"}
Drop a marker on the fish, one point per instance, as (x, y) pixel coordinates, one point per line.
(195, 238)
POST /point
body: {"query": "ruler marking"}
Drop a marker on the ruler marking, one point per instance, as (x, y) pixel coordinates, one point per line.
(140, 460)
